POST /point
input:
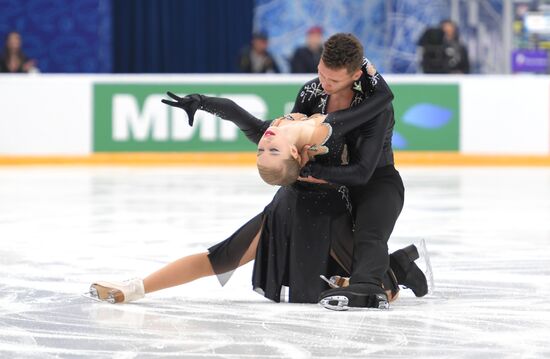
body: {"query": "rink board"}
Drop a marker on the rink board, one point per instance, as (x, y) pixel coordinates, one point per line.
(130, 117)
(52, 116)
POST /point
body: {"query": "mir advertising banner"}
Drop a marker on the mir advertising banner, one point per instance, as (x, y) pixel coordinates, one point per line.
(130, 117)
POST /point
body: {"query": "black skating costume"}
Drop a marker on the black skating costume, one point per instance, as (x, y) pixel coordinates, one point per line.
(376, 188)
(307, 229)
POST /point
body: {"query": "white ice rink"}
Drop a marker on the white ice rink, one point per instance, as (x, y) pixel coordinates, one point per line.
(487, 231)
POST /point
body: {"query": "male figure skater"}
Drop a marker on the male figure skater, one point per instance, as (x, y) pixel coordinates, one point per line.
(376, 189)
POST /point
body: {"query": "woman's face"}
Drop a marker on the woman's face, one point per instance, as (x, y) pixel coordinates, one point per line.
(13, 42)
(274, 148)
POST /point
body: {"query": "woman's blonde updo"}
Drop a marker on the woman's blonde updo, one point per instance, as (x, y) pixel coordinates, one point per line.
(284, 176)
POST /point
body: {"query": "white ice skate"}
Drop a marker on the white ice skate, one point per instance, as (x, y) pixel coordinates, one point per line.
(118, 292)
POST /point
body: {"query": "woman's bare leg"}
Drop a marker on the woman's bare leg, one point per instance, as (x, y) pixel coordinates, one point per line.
(181, 271)
(187, 269)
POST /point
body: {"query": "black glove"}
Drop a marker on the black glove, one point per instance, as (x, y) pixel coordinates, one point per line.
(190, 104)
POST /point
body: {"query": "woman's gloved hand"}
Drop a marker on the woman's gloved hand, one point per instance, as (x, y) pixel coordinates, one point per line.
(190, 104)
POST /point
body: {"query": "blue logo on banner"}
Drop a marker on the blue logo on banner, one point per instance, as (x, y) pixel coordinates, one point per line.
(428, 116)
(398, 141)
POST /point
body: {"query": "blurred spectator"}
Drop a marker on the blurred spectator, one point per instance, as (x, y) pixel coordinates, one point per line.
(256, 58)
(306, 58)
(442, 51)
(456, 53)
(432, 53)
(12, 58)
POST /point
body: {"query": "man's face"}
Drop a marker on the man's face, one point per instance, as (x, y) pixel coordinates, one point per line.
(260, 45)
(449, 30)
(336, 80)
(314, 40)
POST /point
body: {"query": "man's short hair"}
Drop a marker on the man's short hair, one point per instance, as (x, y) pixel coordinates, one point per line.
(343, 51)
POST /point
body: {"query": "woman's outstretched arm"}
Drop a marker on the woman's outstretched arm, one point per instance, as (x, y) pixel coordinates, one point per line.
(252, 127)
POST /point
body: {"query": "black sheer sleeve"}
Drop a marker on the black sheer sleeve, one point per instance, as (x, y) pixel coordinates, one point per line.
(252, 127)
(365, 153)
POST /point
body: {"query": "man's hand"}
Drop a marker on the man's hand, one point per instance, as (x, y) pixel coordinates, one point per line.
(307, 172)
(311, 180)
(371, 70)
(304, 155)
(190, 104)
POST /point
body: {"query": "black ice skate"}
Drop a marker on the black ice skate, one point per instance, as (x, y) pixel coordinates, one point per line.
(360, 295)
(407, 272)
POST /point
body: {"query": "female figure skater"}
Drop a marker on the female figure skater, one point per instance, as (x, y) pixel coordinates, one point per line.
(304, 233)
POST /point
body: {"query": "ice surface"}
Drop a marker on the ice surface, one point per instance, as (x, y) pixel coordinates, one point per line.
(487, 231)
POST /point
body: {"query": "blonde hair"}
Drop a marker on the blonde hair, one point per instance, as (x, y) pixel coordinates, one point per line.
(284, 176)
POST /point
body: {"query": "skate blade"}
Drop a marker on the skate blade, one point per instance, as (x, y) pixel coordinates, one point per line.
(90, 296)
(335, 302)
(106, 294)
(428, 271)
(342, 303)
(384, 304)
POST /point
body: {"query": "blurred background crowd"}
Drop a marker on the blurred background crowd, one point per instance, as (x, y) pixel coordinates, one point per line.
(272, 36)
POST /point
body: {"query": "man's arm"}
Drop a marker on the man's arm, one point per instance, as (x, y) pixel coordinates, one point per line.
(350, 119)
(373, 115)
(365, 152)
(381, 96)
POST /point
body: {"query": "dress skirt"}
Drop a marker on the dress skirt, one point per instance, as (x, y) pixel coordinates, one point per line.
(306, 231)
